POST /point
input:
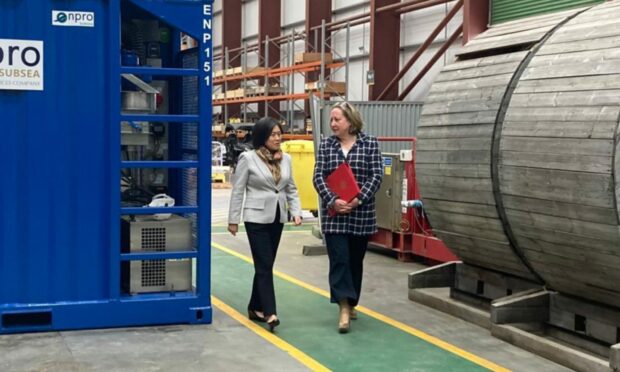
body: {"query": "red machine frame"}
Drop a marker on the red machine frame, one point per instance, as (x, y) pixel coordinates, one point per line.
(415, 238)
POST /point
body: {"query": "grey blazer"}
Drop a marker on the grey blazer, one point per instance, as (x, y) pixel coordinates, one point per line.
(253, 178)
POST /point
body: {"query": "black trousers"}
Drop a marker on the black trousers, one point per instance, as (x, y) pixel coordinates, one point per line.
(346, 266)
(264, 240)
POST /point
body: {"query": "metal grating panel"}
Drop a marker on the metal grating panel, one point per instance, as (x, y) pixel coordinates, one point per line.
(154, 239)
(385, 119)
(190, 141)
(508, 10)
(154, 273)
(189, 104)
(190, 194)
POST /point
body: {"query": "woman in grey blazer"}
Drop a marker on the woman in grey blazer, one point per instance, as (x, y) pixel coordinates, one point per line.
(265, 177)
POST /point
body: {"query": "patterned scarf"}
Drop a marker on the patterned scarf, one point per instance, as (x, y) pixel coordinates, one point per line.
(272, 159)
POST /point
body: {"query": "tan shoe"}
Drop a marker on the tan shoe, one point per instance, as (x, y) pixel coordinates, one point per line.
(353, 314)
(344, 322)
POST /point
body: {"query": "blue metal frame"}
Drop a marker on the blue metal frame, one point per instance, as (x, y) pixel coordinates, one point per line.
(117, 309)
(160, 72)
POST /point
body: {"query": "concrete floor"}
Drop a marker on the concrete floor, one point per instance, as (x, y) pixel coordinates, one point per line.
(231, 346)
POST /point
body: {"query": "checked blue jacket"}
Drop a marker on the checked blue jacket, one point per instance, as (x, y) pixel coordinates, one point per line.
(365, 161)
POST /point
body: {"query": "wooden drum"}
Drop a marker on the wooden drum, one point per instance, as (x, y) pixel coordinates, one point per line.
(519, 151)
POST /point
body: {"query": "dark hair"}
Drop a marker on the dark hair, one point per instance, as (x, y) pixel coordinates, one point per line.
(262, 131)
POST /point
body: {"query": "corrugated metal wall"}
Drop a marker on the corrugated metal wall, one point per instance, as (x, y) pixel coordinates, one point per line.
(55, 185)
(385, 119)
(508, 10)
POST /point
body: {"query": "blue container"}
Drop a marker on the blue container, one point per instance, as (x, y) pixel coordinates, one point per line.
(129, 58)
(60, 253)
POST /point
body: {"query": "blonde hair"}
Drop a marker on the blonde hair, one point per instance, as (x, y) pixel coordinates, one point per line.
(352, 115)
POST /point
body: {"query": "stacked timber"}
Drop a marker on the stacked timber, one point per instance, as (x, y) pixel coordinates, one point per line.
(519, 151)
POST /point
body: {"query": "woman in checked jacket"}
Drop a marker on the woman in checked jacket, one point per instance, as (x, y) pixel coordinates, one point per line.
(348, 230)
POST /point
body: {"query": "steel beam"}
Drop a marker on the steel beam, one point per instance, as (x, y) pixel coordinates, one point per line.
(315, 14)
(269, 27)
(231, 39)
(384, 49)
(475, 18)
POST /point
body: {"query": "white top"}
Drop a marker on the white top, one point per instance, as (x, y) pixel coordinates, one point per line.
(346, 151)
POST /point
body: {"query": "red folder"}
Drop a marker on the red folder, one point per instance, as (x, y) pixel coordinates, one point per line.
(342, 182)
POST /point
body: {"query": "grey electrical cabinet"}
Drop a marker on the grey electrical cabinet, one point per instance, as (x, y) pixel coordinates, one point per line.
(144, 234)
(390, 194)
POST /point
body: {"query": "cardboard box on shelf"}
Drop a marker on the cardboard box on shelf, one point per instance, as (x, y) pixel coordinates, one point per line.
(261, 90)
(305, 57)
(239, 93)
(255, 70)
(334, 87)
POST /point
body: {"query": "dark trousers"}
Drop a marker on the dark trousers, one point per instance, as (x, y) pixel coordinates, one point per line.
(346, 266)
(264, 239)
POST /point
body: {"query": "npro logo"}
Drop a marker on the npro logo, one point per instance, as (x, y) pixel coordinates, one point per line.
(73, 19)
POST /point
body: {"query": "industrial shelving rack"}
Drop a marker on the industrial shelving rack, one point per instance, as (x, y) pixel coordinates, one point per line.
(268, 71)
(193, 306)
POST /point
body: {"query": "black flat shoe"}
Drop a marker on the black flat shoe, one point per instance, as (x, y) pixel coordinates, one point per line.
(253, 316)
(273, 324)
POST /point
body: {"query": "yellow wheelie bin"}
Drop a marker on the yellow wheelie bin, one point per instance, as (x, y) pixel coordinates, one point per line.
(302, 157)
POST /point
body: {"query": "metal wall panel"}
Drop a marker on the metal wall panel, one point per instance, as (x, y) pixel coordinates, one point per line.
(293, 11)
(421, 90)
(217, 25)
(249, 12)
(416, 26)
(60, 255)
(385, 119)
(357, 89)
(508, 10)
(55, 160)
(415, 30)
(217, 7)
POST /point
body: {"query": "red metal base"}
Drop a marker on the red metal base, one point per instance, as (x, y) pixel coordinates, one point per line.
(432, 248)
(411, 247)
(395, 242)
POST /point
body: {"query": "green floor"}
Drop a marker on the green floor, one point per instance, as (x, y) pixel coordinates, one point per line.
(309, 322)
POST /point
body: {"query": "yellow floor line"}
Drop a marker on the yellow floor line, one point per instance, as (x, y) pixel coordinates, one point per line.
(395, 323)
(275, 340)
